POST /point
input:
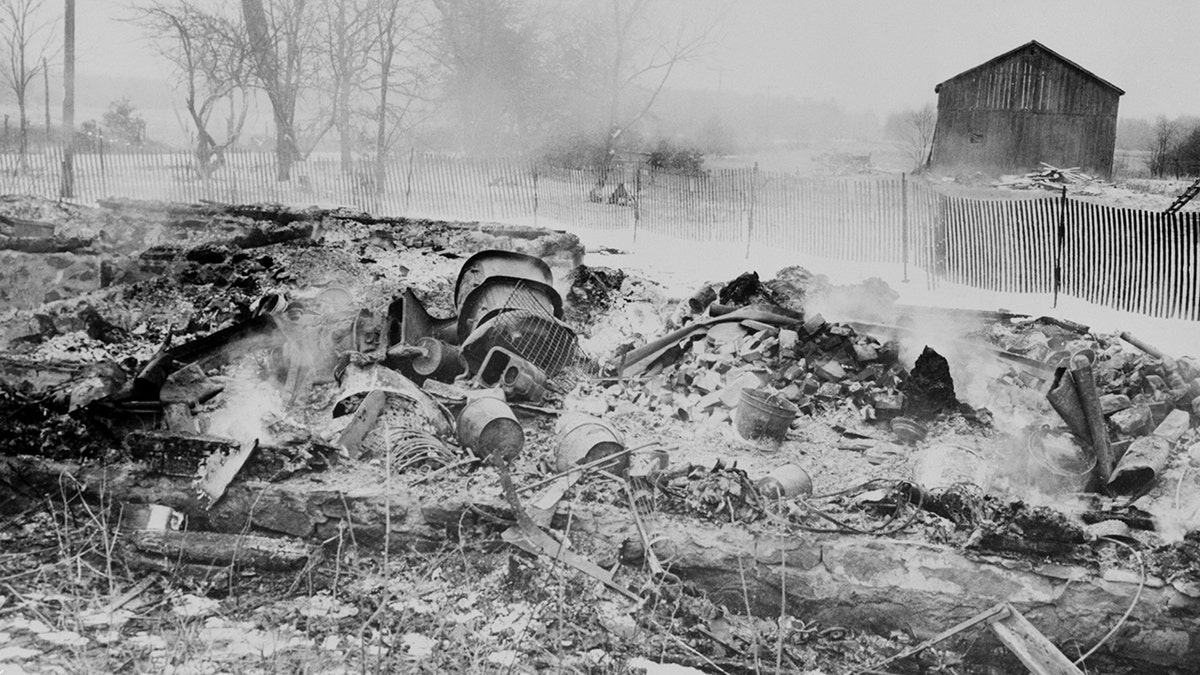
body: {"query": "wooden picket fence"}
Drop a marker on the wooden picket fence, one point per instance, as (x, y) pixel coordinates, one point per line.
(1132, 260)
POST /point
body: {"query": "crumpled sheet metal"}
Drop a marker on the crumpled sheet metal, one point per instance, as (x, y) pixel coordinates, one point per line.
(425, 414)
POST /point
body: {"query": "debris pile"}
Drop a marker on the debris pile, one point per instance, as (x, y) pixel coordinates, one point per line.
(269, 380)
(1124, 402)
(1050, 178)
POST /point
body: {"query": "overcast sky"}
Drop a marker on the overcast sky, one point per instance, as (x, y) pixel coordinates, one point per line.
(874, 54)
(866, 54)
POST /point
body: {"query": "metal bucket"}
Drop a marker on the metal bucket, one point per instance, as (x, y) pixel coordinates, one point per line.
(488, 427)
(1059, 463)
(583, 438)
(762, 414)
(786, 482)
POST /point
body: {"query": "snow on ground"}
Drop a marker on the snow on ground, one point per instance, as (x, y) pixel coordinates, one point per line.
(681, 266)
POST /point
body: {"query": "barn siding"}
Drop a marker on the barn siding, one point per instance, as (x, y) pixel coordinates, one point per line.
(1028, 107)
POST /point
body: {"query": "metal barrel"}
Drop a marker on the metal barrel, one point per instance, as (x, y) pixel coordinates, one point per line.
(488, 427)
(584, 438)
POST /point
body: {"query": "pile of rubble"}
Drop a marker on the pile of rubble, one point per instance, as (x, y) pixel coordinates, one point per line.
(1050, 178)
(266, 379)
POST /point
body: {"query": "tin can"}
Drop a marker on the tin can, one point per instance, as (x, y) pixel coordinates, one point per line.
(786, 482)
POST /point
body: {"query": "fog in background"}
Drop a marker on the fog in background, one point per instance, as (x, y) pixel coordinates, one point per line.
(506, 77)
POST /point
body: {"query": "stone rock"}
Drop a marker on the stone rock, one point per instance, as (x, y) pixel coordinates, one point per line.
(707, 382)
(829, 390)
(831, 371)
(792, 392)
(724, 333)
(1111, 403)
(788, 339)
(1174, 426)
(1132, 421)
(709, 400)
(865, 353)
(888, 404)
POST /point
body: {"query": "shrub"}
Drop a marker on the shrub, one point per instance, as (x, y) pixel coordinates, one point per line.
(667, 156)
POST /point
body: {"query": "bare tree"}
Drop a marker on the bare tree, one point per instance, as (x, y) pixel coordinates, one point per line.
(489, 53)
(212, 65)
(26, 38)
(346, 41)
(281, 34)
(621, 55)
(1165, 137)
(399, 55)
(916, 134)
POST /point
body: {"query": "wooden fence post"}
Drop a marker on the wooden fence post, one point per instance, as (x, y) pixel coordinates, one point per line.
(1058, 247)
(408, 180)
(904, 223)
(750, 209)
(637, 199)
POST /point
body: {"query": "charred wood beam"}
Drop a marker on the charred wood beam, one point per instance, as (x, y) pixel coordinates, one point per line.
(258, 237)
(860, 582)
(219, 548)
(44, 244)
(21, 227)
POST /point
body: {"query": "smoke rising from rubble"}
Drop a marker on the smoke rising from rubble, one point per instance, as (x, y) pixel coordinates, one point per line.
(248, 404)
(978, 381)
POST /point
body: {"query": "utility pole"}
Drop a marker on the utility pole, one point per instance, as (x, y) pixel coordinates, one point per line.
(67, 190)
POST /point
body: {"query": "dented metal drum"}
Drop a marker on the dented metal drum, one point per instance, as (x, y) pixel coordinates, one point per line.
(583, 438)
(488, 427)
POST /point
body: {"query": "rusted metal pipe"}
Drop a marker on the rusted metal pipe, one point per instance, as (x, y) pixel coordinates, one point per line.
(1151, 350)
(1089, 399)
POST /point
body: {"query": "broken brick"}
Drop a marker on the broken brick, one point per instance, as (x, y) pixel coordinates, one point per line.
(831, 371)
(1111, 403)
(1132, 421)
(829, 390)
(1174, 426)
(865, 353)
(788, 339)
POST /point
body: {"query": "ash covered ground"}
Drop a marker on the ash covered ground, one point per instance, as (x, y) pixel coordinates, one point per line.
(223, 453)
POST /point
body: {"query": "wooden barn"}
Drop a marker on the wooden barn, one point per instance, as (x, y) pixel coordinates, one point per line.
(1026, 106)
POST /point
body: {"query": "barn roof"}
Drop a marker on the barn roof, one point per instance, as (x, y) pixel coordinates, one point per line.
(1027, 45)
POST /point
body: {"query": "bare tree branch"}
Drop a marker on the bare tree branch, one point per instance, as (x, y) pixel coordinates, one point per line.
(25, 37)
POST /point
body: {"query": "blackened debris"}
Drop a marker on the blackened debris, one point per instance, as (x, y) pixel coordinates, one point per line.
(929, 389)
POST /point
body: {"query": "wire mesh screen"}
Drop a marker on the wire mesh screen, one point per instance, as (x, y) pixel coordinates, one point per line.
(528, 329)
